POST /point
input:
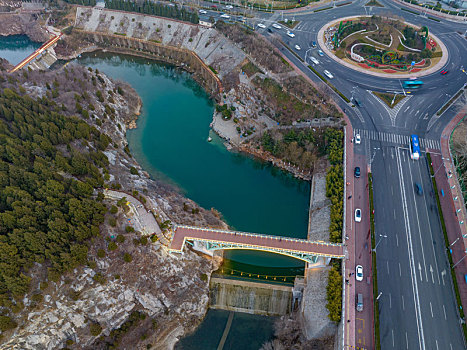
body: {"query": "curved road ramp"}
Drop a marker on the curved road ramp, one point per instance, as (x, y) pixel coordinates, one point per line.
(216, 239)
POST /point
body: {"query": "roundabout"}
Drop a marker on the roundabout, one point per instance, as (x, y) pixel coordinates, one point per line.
(382, 46)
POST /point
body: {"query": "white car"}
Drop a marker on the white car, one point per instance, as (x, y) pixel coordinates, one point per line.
(314, 60)
(358, 215)
(261, 25)
(297, 47)
(359, 273)
(357, 139)
(292, 35)
(328, 74)
(225, 16)
(321, 53)
(202, 12)
(275, 25)
(229, 7)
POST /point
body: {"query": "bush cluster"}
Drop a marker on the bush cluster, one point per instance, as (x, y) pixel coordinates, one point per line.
(335, 183)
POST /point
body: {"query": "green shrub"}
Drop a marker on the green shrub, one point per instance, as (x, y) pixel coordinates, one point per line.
(133, 171)
(112, 222)
(95, 329)
(127, 257)
(120, 239)
(129, 229)
(112, 246)
(99, 278)
(37, 298)
(101, 253)
(113, 210)
(7, 323)
(144, 240)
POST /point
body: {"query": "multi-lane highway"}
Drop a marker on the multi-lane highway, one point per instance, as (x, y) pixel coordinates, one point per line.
(417, 304)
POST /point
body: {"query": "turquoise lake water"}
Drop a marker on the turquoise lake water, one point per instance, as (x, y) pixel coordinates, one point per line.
(171, 144)
(15, 48)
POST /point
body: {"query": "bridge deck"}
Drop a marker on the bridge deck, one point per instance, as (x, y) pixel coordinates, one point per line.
(255, 241)
(41, 49)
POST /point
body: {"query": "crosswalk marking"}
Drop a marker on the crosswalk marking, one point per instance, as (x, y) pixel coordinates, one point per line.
(395, 138)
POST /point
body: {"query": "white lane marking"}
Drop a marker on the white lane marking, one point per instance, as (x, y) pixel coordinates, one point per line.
(436, 270)
(392, 331)
(394, 212)
(390, 301)
(443, 273)
(387, 266)
(406, 340)
(432, 277)
(400, 271)
(444, 310)
(403, 303)
(397, 240)
(431, 310)
(420, 270)
(421, 338)
(450, 345)
(418, 224)
(437, 344)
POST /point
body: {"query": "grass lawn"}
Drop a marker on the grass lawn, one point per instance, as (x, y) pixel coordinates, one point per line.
(289, 24)
(387, 98)
(250, 69)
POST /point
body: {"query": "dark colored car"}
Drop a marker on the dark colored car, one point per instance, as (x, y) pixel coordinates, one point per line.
(357, 172)
(419, 189)
(443, 72)
(269, 30)
(357, 102)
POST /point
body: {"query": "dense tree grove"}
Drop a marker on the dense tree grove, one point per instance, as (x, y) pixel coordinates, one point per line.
(154, 8)
(49, 170)
(335, 183)
(334, 293)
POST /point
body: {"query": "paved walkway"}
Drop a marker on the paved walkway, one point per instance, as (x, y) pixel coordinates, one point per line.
(255, 241)
(452, 205)
(144, 217)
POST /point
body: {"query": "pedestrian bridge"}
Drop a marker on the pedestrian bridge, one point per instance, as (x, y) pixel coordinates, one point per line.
(216, 239)
(52, 41)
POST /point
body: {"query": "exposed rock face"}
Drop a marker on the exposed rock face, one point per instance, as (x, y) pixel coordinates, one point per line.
(25, 23)
(211, 46)
(155, 282)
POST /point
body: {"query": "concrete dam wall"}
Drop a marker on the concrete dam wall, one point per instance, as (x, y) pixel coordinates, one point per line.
(250, 297)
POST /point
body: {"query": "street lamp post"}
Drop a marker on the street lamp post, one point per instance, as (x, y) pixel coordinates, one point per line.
(457, 263)
(380, 239)
(441, 165)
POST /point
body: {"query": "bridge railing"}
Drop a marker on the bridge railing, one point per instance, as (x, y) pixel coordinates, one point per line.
(248, 234)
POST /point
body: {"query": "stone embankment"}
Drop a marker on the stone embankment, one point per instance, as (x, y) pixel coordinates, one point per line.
(201, 50)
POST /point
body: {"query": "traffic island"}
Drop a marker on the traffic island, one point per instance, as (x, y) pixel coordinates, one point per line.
(383, 46)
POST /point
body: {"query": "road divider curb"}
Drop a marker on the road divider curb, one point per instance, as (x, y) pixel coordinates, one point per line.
(330, 85)
(373, 262)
